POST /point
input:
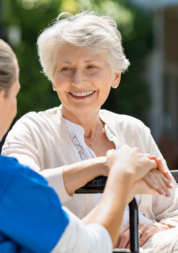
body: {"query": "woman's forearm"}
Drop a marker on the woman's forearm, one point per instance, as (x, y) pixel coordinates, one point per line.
(78, 174)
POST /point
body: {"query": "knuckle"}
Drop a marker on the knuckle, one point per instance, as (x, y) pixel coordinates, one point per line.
(136, 149)
(124, 237)
(146, 233)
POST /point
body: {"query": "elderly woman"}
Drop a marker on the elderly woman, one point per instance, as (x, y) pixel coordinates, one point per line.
(83, 57)
(26, 200)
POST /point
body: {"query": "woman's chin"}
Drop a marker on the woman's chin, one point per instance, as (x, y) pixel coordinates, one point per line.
(84, 109)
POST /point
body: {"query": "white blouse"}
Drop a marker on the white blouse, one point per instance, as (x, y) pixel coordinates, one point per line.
(83, 152)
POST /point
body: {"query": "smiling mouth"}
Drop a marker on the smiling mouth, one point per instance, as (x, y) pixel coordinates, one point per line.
(80, 95)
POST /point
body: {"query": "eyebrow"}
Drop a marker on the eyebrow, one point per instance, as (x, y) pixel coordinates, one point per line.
(68, 62)
(93, 60)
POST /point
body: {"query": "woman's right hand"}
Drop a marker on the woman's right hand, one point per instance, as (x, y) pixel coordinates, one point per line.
(156, 180)
(130, 161)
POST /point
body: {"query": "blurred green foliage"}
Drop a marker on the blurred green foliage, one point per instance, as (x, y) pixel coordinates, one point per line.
(32, 16)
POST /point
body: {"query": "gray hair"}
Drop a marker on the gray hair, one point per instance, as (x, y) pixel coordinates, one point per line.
(8, 63)
(88, 30)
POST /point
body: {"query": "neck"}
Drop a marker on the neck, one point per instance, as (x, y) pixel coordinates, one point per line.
(89, 121)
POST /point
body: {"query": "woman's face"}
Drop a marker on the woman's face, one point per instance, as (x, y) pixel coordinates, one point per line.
(82, 80)
(8, 106)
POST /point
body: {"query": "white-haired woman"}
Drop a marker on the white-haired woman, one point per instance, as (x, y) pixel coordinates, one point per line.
(83, 57)
(29, 207)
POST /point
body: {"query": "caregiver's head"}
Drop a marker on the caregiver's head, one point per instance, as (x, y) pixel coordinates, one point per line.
(83, 57)
(9, 86)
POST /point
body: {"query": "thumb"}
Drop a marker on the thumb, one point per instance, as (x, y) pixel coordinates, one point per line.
(110, 152)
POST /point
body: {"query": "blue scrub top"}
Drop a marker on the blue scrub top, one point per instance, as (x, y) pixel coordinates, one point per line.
(31, 217)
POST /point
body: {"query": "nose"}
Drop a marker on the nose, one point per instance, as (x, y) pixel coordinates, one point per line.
(78, 78)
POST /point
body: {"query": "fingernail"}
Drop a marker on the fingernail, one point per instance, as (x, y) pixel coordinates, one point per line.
(171, 185)
(168, 194)
(155, 186)
(162, 192)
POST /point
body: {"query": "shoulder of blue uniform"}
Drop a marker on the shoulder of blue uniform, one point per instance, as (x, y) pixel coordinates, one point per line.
(9, 169)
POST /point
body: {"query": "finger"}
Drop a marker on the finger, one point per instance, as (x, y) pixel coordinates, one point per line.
(150, 183)
(141, 187)
(163, 184)
(128, 245)
(165, 173)
(146, 235)
(168, 176)
(110, 152)
(123, 230)
(160, 166)
(124, 240)
(160, 181)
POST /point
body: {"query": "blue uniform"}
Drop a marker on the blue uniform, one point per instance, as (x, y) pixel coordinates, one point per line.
(31, 216)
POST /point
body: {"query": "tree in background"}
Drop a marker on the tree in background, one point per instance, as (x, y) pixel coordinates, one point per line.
(32, 16)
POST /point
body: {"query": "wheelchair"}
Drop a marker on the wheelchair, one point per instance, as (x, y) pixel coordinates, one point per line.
(97, 186)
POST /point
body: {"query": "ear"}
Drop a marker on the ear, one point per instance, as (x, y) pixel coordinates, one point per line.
(116, 80)
(54, 87)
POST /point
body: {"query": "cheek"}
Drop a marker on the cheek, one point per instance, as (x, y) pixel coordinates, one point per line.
(61, 81)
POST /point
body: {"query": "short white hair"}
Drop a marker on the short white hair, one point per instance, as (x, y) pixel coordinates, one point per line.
(88, 30)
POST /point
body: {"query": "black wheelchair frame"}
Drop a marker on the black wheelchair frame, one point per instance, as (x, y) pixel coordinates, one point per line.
(97, 186)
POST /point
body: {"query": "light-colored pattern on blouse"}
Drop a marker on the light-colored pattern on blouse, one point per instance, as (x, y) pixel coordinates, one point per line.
(83, 152)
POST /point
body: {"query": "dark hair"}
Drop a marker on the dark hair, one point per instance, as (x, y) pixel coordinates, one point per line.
(8, 63)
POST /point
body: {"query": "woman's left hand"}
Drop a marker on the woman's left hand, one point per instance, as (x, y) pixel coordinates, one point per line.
(146, 229)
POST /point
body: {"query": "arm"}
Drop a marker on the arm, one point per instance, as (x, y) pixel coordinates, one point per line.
(78, 174)
(168, 207)
(33, 146)
(156, 207)
(124, 167)
(50, 228)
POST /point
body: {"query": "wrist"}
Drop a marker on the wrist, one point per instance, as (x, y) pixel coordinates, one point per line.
(100, 166)
(122, 173)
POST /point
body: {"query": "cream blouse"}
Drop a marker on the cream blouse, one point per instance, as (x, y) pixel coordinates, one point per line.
(83, 152)
(41, 141)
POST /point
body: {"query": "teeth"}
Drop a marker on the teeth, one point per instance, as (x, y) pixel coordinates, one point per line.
(82, 94)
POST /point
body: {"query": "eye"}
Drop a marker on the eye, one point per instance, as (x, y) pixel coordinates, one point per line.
(91, 67)
(65, 69)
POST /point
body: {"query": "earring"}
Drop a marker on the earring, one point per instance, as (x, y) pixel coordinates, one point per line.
(115, 86)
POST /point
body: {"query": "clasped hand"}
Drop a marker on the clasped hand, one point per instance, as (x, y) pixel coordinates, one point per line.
(147, 230)
(150, 177)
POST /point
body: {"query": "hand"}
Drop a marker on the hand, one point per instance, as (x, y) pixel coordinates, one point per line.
(158, 181)
(140, 187)
(147, 230)
(161, 168)
(131, 161)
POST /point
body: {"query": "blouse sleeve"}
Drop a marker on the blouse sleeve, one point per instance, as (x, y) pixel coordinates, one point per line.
(78, 237)
(21, 144)
(165, 209)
